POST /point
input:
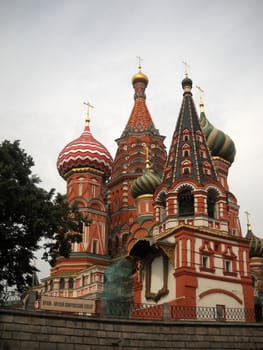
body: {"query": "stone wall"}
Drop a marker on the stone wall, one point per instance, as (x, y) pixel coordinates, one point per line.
(21, 330)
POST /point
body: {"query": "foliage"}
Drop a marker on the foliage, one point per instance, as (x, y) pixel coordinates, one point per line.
(29, 213)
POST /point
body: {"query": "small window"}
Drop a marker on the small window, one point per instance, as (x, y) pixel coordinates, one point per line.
(70, 283)
(211, 203)
(94, 246)
(61, 283)
(205, 261)
(93, 190)
(186, 153)
(51, 286)
(199, 138)
(228, 265)
(203, 154)
(186, 138)
(186, 202)
(217, 246)
(186, 171)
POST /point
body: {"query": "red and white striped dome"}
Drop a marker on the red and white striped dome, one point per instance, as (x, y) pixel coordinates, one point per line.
(84, 152)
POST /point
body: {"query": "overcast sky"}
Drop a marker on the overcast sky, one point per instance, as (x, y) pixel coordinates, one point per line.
(55, 54)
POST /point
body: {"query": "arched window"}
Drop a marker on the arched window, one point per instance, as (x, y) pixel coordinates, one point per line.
(186, 135)
(206, 168)
(186, 202)
(211, 203)
(162, 206)
(70, 283)
(61, 283)
(51, 285)
(199, 137)
(94, 246)
(186, 167)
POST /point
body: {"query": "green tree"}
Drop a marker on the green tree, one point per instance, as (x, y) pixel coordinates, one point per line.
(28, 213)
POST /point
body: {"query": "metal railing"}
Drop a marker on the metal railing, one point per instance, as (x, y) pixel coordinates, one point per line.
(168, 312)
(132, 310)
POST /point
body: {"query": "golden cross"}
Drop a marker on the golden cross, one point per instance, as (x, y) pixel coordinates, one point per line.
(89, 106)
(139, 61)
(186, 67)
(147, 161)
(200, 91)
(201, 97)
(247, 214)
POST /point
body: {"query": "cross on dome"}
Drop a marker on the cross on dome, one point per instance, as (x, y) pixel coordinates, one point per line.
(186, 68)
(248, 221)
(139, 62)
(201, 103)
(89, 106)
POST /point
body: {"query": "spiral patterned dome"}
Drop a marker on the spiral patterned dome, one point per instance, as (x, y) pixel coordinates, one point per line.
(145, 184)
(220, 144)
(84, 152)
(256, 247)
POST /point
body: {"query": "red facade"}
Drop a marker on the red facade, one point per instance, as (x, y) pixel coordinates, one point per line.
(172, 214)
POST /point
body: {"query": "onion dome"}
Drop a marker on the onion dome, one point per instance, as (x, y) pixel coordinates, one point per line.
(255, 243)
(146, 183)
(187, 82)
(220, 144)
(140, 77)
(84, 152)
(256, 248)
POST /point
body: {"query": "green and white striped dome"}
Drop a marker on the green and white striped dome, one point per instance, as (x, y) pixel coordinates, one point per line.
(220, 144)
(145, 184)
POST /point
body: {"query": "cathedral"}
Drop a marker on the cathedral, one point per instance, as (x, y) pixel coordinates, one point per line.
(165, 220)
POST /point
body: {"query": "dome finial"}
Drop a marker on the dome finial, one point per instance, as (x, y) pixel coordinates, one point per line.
(147, 161)
(140, 82)
(89, 106)
(187, 82)
(186, 68)
(139, 63)
(201, 103)
(249, 229)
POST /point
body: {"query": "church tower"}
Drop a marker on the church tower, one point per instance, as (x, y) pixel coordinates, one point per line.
(139, 133)
(195, 245)
(170, 218)
(85, 164)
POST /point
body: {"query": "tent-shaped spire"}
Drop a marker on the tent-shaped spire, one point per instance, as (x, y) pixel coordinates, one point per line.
(189, 156)
(140, 119)
(139, 132)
